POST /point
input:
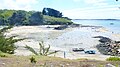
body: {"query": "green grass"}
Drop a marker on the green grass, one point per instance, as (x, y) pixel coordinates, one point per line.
(113, 59)
(54, 20)
(82, 59)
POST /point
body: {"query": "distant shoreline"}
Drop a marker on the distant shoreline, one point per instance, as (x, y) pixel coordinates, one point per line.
(96, 19)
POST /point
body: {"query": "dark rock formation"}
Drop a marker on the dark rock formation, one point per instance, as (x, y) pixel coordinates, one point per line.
(108, 46)
(75, 25)
(61, 27)
(103, 39)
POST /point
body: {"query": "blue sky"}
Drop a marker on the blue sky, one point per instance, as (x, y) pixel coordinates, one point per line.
(76, 9)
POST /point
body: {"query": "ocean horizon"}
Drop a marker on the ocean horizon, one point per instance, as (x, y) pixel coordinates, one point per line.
(111, 24)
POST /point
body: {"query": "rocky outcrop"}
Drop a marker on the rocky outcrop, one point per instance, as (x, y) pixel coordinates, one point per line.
(108, 46)
(61, 27)
(103, 39)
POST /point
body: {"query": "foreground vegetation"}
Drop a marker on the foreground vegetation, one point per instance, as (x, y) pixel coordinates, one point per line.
(43, 51)
(7, 43)
(47, 61)
(113, 59)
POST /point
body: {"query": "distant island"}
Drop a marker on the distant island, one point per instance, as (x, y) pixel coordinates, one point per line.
(48, 16)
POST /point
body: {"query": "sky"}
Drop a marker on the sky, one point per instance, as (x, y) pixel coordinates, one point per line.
(74, 9)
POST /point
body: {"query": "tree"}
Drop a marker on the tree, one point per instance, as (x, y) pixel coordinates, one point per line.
(18, 18)
(4, 15)
(52, 12)
(1, 19)
(36, 18)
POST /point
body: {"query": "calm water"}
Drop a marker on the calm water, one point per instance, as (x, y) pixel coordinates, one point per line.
(105, 23)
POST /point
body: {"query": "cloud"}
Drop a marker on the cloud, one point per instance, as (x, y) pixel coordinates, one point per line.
(106, 12)
(18, 4)
(96, 2)
(93, 2)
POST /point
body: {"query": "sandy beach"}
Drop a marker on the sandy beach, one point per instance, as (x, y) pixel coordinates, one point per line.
(62, 40)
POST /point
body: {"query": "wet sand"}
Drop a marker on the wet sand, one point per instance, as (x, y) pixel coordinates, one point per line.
(63, 40)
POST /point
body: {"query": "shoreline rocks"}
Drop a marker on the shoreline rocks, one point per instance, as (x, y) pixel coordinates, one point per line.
(108, 46)
(62, 27)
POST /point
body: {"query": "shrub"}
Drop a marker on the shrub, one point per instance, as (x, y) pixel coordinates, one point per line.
(33, 60)
(113, 59)
(44, 51)
(7, 43)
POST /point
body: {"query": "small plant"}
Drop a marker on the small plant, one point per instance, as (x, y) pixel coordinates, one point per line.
(113, 59)
(44, 51)
(33, 60)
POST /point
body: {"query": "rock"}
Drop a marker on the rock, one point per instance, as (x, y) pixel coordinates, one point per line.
(67, 64)
(61, 27)
(75, 25)
(108, 46)
(110, 65)
(3, 63)
(103, 39)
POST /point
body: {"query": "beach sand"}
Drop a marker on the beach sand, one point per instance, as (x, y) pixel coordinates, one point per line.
(62, 40)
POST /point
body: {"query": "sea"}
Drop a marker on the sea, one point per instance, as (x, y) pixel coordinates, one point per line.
(112, 25)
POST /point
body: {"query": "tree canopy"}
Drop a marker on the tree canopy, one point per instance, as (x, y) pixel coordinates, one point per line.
(21, 17)
(51, 12)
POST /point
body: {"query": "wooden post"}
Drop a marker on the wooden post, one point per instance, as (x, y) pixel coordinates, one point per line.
(64, 54)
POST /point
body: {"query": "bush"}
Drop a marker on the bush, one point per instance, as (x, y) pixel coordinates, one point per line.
(7, 43)
(33, 60)
(113, 59)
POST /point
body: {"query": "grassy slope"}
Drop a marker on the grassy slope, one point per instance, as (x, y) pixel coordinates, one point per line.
(53, 20)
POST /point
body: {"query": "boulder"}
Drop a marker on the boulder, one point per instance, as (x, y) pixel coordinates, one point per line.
(109, 65)
(61, 27)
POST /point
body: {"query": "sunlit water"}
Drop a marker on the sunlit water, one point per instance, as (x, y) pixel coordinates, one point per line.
(115, 27)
